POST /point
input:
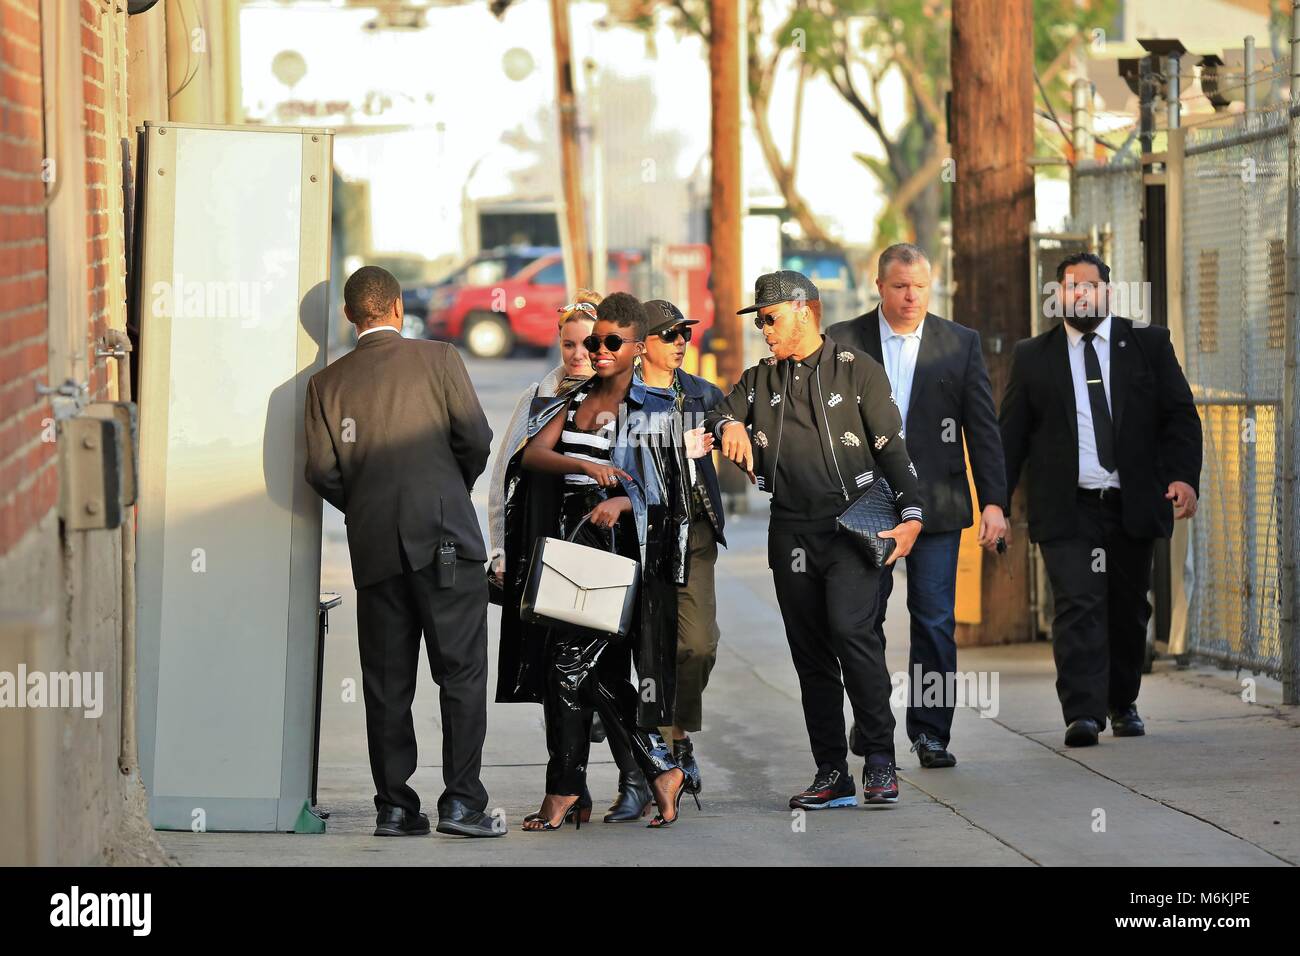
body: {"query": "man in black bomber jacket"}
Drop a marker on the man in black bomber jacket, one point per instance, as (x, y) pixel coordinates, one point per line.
(814, 425)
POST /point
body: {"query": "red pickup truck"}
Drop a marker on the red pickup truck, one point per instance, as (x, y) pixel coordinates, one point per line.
(509, 297)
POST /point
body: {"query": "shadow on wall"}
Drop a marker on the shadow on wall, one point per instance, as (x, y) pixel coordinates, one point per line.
(281, 471)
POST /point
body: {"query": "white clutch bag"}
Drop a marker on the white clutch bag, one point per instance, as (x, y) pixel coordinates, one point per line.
(573, 585)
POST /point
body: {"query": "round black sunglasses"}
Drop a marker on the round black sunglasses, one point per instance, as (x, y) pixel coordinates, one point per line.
(611, 342)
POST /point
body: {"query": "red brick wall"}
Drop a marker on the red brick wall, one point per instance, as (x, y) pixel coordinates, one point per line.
(28, 479)
(28, 476)
(98, 188)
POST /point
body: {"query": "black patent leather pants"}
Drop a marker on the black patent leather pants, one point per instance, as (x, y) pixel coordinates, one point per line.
(586, 673)
(575, 687)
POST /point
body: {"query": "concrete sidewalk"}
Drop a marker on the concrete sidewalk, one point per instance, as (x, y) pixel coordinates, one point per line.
(1213, 783)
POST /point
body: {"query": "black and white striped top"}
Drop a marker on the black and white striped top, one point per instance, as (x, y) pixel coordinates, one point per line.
(594, 445)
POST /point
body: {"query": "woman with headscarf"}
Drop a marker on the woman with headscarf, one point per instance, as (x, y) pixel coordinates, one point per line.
(575, 324)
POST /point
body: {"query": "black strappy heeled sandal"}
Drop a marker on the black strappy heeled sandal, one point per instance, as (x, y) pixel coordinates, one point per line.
(660, 822)
(584, 808)
(571, 812)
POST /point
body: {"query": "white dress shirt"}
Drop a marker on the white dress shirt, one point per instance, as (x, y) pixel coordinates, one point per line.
(1091, 474)
(377, 328)
(899, 352)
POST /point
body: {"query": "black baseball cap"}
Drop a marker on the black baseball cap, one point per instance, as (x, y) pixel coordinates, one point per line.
(783, 286)
(661, 315)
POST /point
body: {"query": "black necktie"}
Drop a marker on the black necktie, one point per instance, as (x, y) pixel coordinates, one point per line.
(1102, 428)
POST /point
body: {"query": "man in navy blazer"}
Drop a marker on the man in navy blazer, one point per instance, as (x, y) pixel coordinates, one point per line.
(939, 382)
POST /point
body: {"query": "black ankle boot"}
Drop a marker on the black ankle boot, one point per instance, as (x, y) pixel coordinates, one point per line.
(684, 754)
(634, 796)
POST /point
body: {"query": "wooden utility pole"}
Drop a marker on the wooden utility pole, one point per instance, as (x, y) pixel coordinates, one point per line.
(992, 133)
(727, 207)
(575, 222)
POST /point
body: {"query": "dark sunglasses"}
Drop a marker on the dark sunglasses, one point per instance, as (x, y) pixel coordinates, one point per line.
(670, 335)
(611, 342)
(764, 320)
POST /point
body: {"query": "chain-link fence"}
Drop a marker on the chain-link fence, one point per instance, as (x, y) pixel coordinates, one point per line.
(1234, 216)
(1230, 236)
(1108, 202)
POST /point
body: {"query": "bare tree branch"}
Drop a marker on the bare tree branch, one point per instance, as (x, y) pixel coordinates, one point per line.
(912, 73)
(762, 71)
(690, 20)
(1061, 58)
(917, 182)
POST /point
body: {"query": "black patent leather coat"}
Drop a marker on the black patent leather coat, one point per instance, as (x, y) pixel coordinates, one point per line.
(650, 449)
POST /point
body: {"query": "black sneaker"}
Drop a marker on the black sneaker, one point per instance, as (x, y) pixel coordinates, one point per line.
(880, 783)
(931, 753)
(830, 788)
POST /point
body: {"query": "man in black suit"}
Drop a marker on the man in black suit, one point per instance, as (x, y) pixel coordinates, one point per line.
(940, 384)
(1099, 411)
(395, 440)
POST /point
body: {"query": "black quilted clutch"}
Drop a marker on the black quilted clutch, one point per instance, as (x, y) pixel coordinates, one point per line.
(871, 512)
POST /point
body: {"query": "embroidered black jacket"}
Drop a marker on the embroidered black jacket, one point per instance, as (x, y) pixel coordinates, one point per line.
(861, 433)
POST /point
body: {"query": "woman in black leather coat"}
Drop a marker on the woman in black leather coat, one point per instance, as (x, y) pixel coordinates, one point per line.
(639, 496)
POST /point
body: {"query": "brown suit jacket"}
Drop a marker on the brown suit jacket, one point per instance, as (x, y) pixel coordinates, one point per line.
(395, 440)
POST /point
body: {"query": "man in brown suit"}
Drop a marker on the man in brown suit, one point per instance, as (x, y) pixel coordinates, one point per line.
(395, 440)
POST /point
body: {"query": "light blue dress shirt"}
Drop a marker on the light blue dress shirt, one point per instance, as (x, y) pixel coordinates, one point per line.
(899, 353)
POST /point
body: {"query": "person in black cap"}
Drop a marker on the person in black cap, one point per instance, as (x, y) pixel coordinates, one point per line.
(814, 425)
(667, 334)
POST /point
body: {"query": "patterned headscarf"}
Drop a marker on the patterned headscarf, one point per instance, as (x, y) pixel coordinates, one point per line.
(583, 306)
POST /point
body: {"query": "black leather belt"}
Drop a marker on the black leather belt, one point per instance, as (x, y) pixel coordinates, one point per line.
(1099, 494)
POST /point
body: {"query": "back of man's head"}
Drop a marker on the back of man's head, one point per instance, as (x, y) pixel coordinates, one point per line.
(368, 297)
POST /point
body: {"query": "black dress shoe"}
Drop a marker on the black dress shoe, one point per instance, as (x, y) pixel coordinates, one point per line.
(395, 822)
(684, 754)
(1127, 723)
(1082, 733)
(459, 820)
(634, 796)
(931, 753)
